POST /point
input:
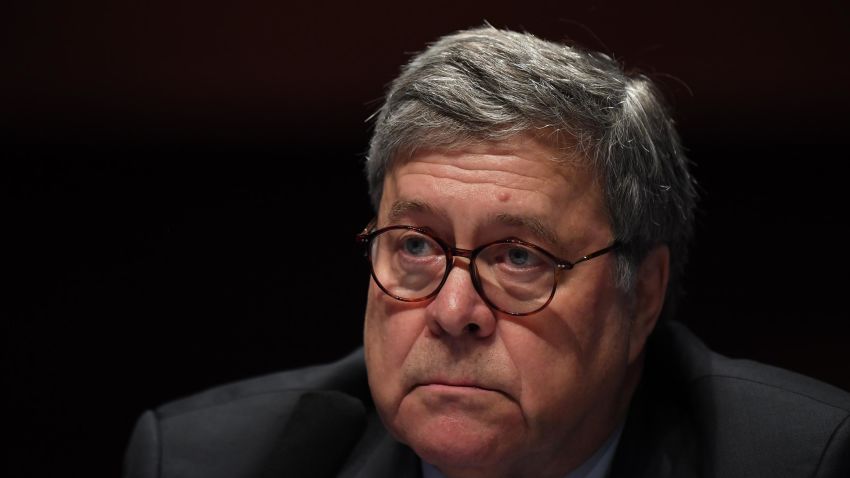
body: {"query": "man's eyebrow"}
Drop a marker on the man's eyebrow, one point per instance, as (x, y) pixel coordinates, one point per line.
(537, 227)
(402, 208)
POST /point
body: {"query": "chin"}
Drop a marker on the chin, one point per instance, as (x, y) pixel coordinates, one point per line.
(457, 442)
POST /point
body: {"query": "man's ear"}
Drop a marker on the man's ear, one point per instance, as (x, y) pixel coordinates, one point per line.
(650, 289)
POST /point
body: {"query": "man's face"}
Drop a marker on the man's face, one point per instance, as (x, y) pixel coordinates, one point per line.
(478, 392)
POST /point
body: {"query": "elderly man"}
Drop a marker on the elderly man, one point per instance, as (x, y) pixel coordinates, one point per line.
(533, 208)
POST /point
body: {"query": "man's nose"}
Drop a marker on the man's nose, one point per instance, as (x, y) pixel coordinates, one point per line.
(458, 310)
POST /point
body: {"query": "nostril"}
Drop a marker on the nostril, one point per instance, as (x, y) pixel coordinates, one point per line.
(473, 328)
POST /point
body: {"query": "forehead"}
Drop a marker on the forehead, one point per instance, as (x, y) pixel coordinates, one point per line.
(537, 157)
(521, 182)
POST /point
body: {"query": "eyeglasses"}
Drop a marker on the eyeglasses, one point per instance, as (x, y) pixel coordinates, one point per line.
(512, 276)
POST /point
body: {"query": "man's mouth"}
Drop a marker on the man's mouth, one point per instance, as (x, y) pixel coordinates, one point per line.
(456, 386)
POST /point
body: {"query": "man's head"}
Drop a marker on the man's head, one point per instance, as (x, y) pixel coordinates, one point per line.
(492, 135)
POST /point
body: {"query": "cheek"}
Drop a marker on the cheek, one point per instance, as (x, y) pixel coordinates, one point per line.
(570, 357)
(550, 367)
(391, 328)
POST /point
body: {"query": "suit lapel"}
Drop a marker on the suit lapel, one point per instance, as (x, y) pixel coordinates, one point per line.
(379, 455)
(659, 439)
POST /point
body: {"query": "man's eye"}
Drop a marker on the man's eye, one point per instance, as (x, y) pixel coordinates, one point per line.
(416, 246)
(519, 257)
(522, 257)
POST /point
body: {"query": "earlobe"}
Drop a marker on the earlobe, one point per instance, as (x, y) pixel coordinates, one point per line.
(650, 290)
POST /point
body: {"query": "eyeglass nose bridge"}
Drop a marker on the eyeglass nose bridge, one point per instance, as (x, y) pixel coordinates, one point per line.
(470, 255)
(458, 252)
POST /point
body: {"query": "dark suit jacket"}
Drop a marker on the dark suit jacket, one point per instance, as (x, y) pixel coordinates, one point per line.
(695, 413)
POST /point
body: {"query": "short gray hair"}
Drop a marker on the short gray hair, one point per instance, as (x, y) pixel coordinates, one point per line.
(486, 84)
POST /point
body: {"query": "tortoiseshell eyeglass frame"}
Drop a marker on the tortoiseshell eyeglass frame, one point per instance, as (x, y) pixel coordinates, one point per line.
(369, 233)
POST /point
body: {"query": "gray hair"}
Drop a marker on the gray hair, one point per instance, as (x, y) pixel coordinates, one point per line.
(486, 84)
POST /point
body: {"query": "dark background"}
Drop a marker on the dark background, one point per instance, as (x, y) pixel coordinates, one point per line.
(185, 186)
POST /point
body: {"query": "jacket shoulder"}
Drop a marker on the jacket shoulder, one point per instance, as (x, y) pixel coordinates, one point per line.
(760, 420)
(702, 364)
(302, 422)
(347, 376)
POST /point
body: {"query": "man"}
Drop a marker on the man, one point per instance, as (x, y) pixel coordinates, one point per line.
(533, 208)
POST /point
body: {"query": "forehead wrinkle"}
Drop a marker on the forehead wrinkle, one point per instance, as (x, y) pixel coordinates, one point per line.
(476, 170)
(486, 181)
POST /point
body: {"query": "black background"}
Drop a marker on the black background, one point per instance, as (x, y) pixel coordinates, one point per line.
(185, 184)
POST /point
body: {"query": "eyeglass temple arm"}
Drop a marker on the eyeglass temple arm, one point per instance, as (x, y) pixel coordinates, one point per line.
(590, 256)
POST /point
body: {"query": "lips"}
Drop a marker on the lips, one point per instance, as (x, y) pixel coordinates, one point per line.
(440, 370)
(457, 384)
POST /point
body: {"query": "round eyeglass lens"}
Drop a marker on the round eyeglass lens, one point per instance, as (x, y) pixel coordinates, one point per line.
(515, 278)
(407, 264)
